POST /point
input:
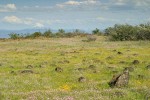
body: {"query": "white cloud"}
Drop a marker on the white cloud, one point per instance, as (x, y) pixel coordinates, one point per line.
(72, 3)
(77, 3)
(103, 19)
(8, 8)
(120, 2)
(11, 6)
(38, 25)
(25, 21)
(12, 19)
(132, 2)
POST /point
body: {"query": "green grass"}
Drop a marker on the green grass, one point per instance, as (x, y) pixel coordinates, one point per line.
(70, 54)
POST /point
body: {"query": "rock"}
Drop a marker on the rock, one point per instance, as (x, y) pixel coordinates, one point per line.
(120, 80)
(122, 62)
(135, 62)
(135, 54)
(81, 79)
(114, 50)
(58, 69)
(95, 71)
(29, 66)
(120, 52)
(148, 67)
(97, 61)
(147, 97)
(80, 69)
(110, 67)
(140, 76)
(109, 57)
(66, 61)
(92, 67)
(27, 71)
(12, 72)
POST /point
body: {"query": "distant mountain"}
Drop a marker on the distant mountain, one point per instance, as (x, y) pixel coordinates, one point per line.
(4, 33)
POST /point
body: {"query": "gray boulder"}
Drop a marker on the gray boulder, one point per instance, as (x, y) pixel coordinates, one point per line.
(120, 80)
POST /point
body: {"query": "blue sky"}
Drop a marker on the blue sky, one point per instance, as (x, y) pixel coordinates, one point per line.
(72, 14)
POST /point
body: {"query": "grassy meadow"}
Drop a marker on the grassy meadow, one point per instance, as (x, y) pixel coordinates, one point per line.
(39, 57)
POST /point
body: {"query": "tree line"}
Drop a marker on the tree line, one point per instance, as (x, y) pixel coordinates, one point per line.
(118, 32)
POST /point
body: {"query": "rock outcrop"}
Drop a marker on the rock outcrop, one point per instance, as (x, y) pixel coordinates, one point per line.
(120, 80)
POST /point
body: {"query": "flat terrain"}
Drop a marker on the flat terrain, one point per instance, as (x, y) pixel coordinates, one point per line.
(27, 69)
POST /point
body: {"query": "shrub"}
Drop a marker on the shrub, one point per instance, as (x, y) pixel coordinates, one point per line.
(36, 34)
(47, 33)
(96, 32)
(128, 32)
(60, 33)
(14, 36)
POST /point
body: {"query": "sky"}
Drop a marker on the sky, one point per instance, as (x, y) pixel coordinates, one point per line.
(72, 14)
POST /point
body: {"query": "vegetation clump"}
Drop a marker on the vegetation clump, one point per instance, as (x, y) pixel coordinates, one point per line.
(128, 32)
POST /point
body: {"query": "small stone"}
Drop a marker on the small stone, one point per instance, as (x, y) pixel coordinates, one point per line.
(122, 62)
(92, 67)
(29, 66)
(58, 69)
(94, 71)
(27, 71)
(120, 52)
(109, 57)
(141, 76)
(80, 69)
(114, 50)
(135, 62)
(12, 72)
(148, 67)
(66, 61)
(81, 79)
(135, 54)
(110, 67)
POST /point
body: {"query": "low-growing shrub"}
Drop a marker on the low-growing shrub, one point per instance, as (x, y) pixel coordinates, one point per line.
(14, 36)
(128, 32)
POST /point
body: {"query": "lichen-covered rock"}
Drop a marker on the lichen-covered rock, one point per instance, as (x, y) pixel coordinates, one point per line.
(81, 79)
(120, 80)
(136, 62)
(27, 71)
(29, 66)
(148, 67)
(58, 69)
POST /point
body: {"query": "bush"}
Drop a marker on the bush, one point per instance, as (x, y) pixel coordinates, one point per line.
(129, 32)
(14, 36)
(36, 34)
(47, 33)
(96, 32)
